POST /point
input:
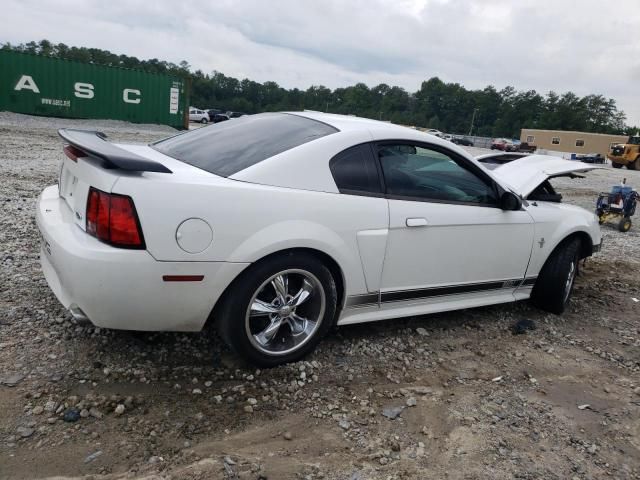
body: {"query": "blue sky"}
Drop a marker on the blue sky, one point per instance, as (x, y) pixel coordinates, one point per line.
(585, 46)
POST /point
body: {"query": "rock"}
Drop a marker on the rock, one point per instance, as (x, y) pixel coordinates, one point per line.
(25, 432)
(422, 332)
(11, 380)
(119, 409)
(197, 391)
(93, 456)
(155, 459)
(252, 401)
(521, 326)
(496, 379)
(37, 410)
(84, 413)
(421, 390)
(344, 424)
(584, 407)
(95, 413)
(72, 415)
(248, 408)
(287, 436)
(411, 402)
(50, 406)
(392, 412)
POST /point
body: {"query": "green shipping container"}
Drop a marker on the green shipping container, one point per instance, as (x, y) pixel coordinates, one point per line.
(38, 85)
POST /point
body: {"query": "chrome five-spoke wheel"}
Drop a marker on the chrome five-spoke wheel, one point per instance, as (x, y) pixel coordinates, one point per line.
(571, 276)
(285, 312)
(279, 309)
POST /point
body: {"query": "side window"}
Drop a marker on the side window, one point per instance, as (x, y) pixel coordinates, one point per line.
(355, 172)
(416, 171)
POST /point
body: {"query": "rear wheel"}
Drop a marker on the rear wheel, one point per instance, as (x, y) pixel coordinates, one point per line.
(616, 165)
(554, 285)
(635, 165)
(625, 224)
(279, 309)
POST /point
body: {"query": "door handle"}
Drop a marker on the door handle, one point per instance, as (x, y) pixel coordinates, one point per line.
(417, 222)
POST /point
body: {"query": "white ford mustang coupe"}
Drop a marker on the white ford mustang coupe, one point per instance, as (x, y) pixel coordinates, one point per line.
(277, 226)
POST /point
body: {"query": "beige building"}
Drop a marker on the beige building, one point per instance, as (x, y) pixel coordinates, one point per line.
(571, 142)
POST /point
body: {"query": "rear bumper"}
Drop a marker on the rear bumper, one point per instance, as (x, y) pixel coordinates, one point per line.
(119, 288)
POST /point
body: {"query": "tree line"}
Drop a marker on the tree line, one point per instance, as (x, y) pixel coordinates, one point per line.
(449, 107)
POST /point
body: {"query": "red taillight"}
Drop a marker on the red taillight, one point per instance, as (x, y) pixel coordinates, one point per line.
(123, 222)
(112, 218)
(73, 152)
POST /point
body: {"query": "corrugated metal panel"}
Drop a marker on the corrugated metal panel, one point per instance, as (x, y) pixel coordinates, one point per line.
(39, 85)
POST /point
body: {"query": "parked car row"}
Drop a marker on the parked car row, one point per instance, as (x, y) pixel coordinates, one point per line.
(457, 139)
(506, 145)
(213, 115)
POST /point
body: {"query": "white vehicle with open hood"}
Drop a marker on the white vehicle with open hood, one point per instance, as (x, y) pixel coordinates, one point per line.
(277, 226)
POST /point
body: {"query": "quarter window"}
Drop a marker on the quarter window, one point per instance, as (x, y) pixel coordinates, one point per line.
(579, 143)
(555, 141)
(354, 171)
(416, 171)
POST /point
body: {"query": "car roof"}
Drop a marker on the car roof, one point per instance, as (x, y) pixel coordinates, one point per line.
(346, 123)
(315, 155)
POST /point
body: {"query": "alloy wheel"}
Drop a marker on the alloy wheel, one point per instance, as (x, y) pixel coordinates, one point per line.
(285, 312)
(571, 276)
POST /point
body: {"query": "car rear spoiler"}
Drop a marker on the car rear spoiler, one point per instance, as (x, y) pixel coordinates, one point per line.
(94, 144)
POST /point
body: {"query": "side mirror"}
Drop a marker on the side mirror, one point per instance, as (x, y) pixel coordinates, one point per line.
(510, 201)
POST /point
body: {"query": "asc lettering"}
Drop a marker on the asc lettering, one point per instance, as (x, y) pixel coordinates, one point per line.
(83, 90)
(80, 90)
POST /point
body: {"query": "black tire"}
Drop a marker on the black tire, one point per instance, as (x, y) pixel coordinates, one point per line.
(635, 165)
(234, 322)
(552, 290)
(616, 165)
(204, 120)
(624, 225)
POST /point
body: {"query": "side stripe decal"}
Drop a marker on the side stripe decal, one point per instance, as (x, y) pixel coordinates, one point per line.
(372, 299)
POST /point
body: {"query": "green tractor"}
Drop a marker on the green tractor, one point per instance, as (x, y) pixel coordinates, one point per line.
(627, 154)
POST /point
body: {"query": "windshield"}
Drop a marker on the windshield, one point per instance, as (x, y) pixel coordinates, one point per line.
(226, 148)
(634, 140)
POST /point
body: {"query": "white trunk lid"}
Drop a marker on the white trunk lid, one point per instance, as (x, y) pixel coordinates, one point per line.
(75, 180)
(525, 174)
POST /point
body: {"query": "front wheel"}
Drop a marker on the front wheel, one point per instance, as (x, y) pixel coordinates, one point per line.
(554, 285)
(279, 309)
(616, 165)
(203, 121)
(625, 224)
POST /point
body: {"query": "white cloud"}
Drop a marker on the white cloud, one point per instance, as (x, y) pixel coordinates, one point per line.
(560, 45)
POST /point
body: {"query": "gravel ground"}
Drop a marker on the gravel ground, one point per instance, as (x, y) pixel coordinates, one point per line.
(455, 395)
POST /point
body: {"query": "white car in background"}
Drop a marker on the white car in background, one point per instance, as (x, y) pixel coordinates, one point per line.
(197, 115)
(277, 226)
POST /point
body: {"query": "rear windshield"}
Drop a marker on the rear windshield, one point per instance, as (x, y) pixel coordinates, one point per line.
(228, 147)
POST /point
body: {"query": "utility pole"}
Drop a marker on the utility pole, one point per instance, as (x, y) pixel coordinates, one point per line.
(473, 117)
